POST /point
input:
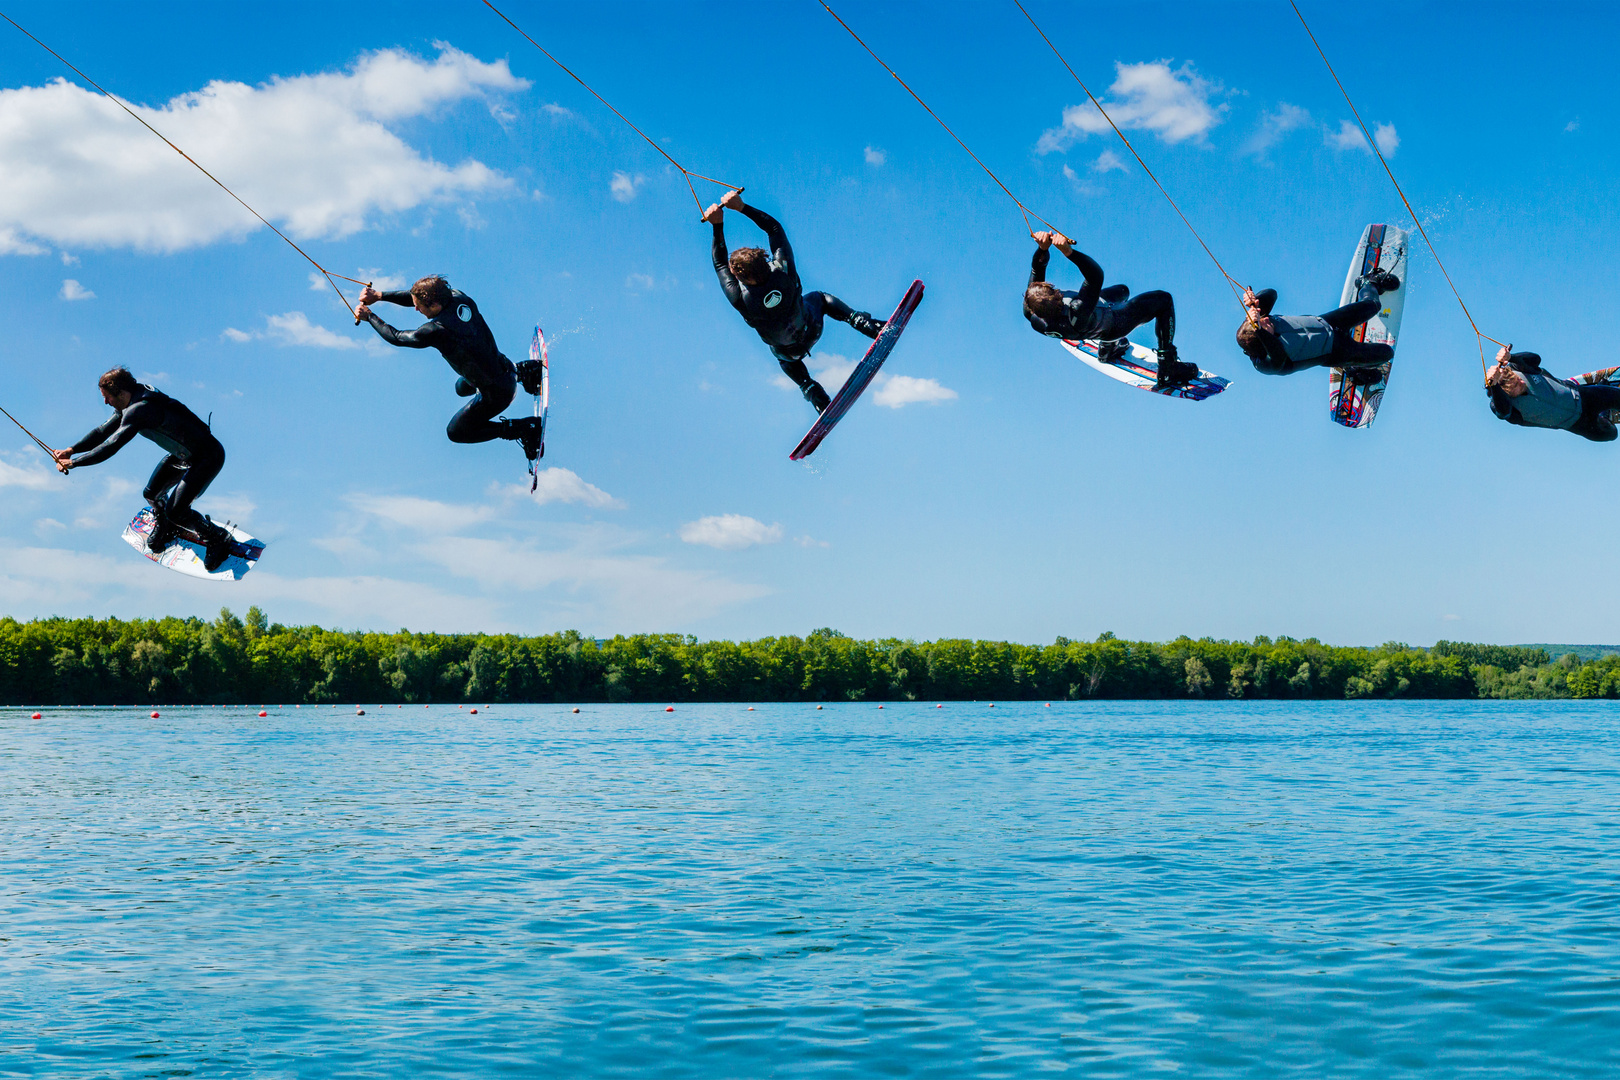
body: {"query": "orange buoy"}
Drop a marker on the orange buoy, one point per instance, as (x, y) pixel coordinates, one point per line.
(750, 709)
(473, 713)
(992, 704)
(576, 708)
(669, 708)
(359, 712)
(1048, 704)
(880, 706)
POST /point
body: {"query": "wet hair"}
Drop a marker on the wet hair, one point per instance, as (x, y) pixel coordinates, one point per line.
(432, 290)
(118, 381)
(1045, 302)
(1248, 339)
(1498, 375)
(750, 263)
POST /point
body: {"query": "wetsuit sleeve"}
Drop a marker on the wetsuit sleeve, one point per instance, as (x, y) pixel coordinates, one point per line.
(129, 425)
(781, 250)
(1502, 405)
(1274, 349)
(1088, 266)
(722, 269)
(422, 337)
(1037, 265)
(402, 297)
(97, 436)
(1525, 361)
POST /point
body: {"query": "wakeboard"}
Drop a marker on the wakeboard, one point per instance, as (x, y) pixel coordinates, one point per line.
(535, 374)
(185, 554)
(1140, 368)
(1382, 247)
(863, 374)
(1602, 375)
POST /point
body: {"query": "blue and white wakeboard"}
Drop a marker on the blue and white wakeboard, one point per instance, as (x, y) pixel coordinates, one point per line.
(1140, 368)
(1382, 247)
(184, 554)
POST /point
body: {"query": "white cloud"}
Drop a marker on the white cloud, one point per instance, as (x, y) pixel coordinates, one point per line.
(566, 486)
(421, 515)
(31, 474)
(72, 290)
(1274, 125)
(310, 152)
(875, 156)
(730, 532)
(1108, 161)
(69, 260)
(902, 390)
(624, 186)
(1573, 125)
(1349, 137)
(811, 542)
(552, 109)
(1171, 103)
(640, 282)
(380, 281)
(890, 390)
(295, 329)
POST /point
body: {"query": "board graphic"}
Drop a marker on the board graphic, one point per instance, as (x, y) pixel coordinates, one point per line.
(185, 554)
(1602, 375)
(863, 374)
(1382, 247)
(1140, 368)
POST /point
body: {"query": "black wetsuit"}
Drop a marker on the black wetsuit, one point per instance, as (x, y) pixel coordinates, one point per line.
(1552, 402)
(1308, 341)
(787, 318)
(1099, 314)
(459, 332)
(194, 456)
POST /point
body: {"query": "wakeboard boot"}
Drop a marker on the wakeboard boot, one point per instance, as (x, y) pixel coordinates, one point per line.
(526, 431)
(865, 324)
(217, 544)
(529, 373)
(1112, 352)
(163, 532)
(1382, 280)
(1367, 374)
(817, 396)
(1172, 371)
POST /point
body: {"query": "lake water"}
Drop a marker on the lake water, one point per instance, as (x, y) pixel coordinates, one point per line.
(1115, 889)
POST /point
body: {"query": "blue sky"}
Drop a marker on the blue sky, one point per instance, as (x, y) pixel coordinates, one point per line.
(995, 489)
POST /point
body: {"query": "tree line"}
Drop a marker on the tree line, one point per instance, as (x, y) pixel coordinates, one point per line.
(250, 660)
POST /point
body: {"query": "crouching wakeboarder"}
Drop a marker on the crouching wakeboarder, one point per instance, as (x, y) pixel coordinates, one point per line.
(194, 458)
(458, 331)
(1522, 393)
(1105, 315)
(1284, 344)
(764, 288)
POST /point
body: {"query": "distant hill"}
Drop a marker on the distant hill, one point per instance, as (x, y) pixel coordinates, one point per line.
(1583, 652)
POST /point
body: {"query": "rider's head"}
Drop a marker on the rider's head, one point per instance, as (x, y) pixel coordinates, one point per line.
(1248, 339)
(751, 265)
(430, 295)
(1044, 302)
(117, 387)
(1506, 379)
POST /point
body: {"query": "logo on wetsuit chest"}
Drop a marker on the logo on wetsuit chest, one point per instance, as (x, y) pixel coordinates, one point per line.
(773, 298)
(464, 313)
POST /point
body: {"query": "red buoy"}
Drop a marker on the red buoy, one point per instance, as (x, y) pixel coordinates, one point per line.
(154, 716)
(669, 708)
(473, 713)
(359, 712)
(263, 713)
(36, 716)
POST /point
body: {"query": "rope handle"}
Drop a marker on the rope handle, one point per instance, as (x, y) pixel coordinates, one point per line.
(367, 284)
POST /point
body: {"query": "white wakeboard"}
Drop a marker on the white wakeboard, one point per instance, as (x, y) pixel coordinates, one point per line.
(185, 554)
(1140, 368)
(1382, 247)
(540, 353)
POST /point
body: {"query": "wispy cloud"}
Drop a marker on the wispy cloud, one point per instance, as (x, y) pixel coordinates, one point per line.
(1173, 104)
(72, 290)
(730, 532)
(1108, 161)
(1274, 125)
(294, 329)
(624, 186)
(1349, 137)
(875, 156)
(901, 390)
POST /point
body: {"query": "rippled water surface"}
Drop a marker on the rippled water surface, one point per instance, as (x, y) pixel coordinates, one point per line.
(1325, 890)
